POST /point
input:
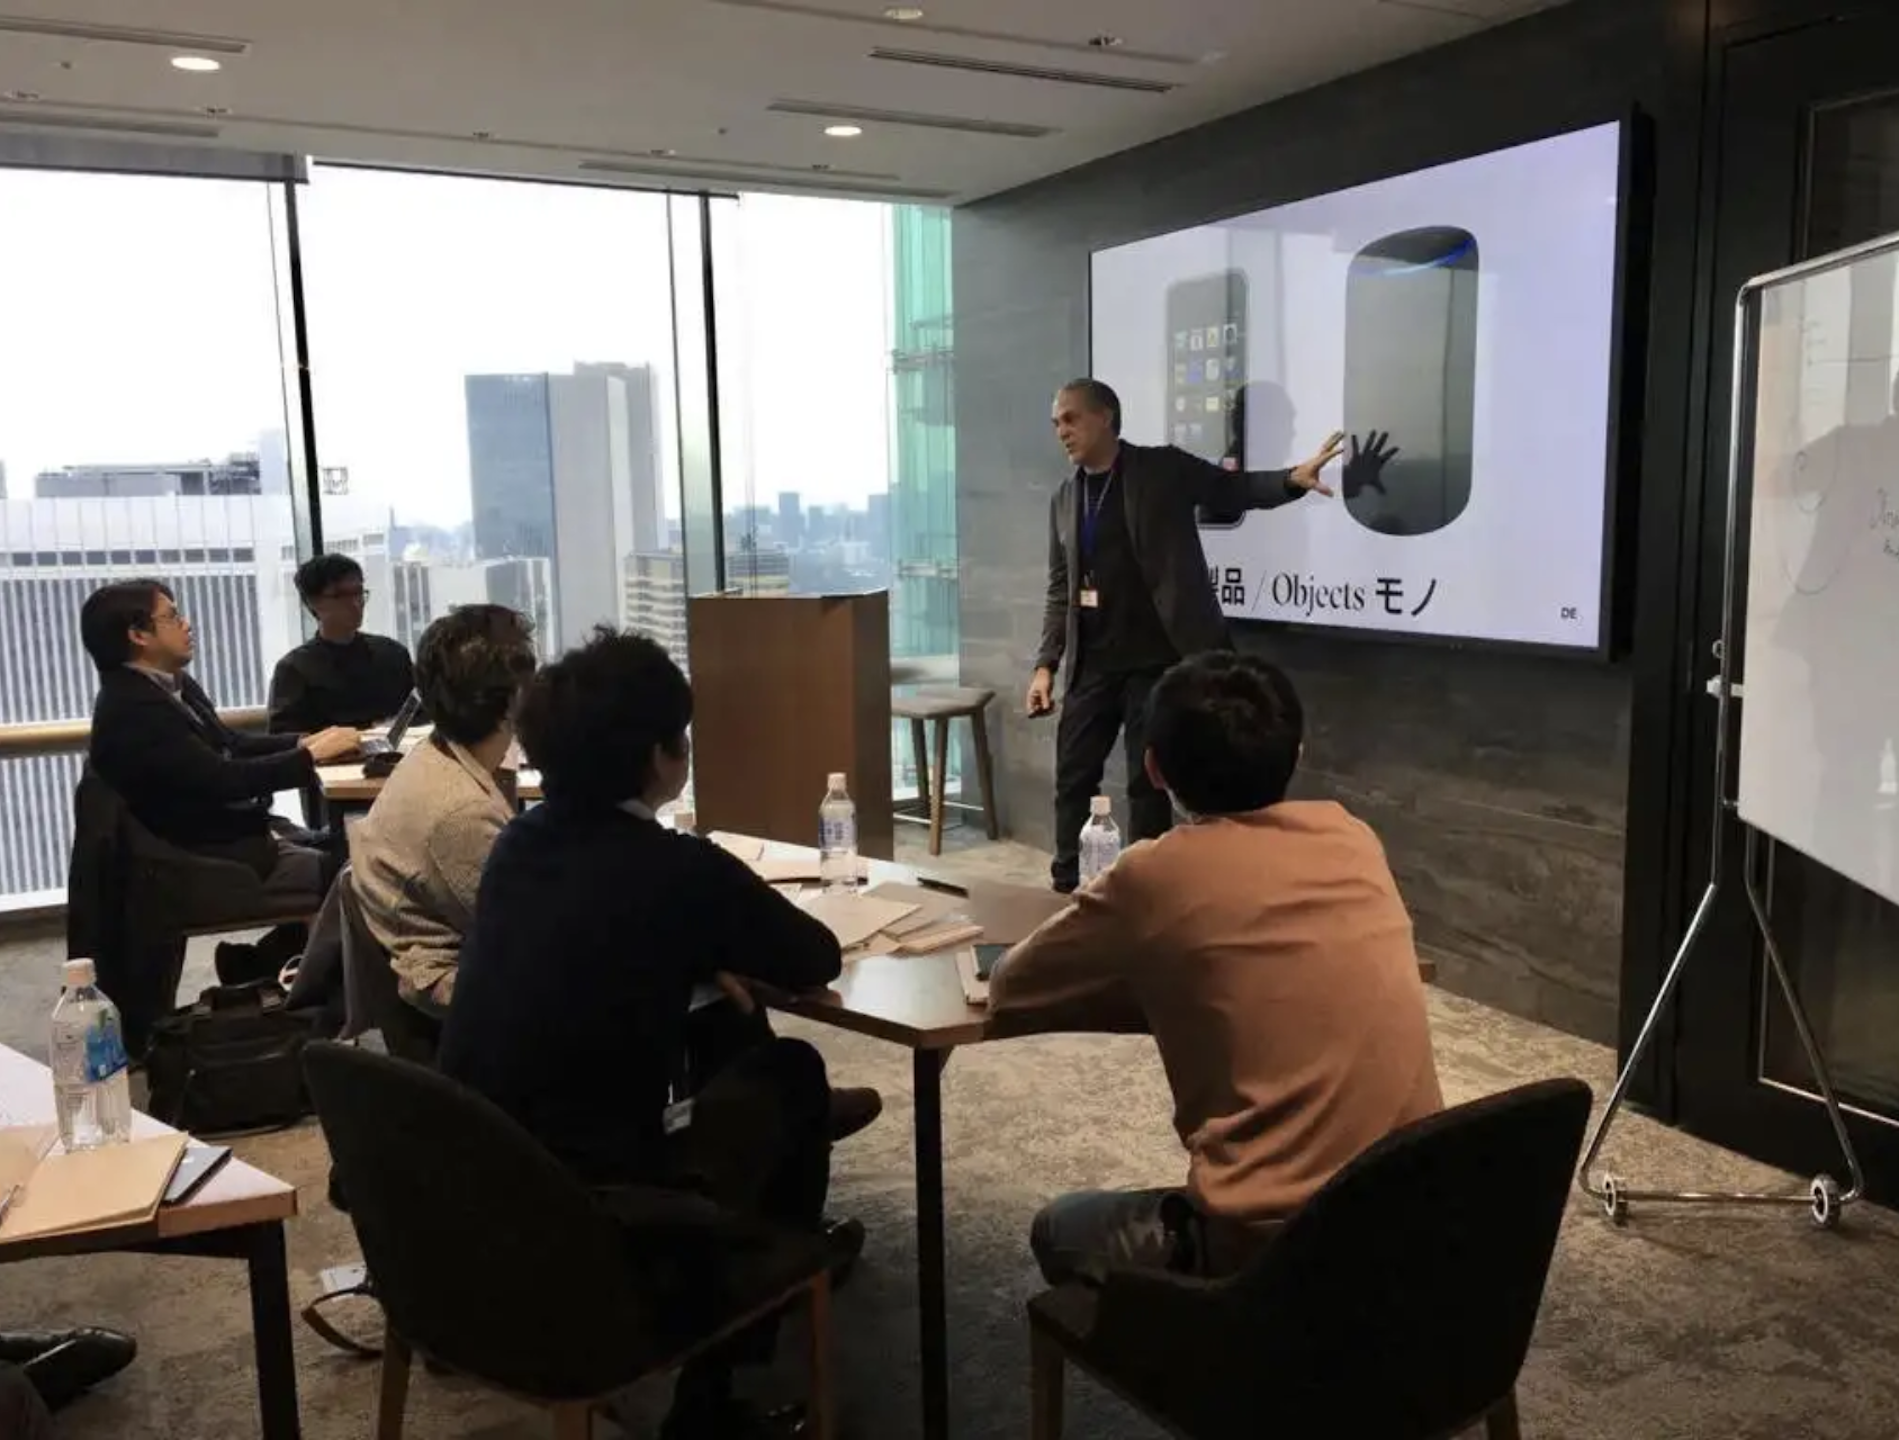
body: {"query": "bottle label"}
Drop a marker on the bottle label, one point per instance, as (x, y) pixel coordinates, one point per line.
(837, 834)
(105, 1048)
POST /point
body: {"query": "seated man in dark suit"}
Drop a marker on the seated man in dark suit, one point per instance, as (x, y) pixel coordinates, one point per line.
(344, 676)
(186, 776)
(593, 925)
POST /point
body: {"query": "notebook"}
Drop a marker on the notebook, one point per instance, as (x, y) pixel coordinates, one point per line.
(61, 1193)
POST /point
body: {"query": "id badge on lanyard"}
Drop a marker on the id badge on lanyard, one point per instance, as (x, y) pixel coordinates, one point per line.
(1090, 596)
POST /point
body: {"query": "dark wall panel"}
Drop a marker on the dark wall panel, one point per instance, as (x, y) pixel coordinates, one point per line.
(1499, 782)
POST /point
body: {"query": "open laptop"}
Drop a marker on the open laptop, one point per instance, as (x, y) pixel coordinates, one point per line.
(974, 965)
(385, 751)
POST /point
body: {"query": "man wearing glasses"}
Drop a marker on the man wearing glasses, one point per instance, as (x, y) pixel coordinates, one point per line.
(190, 779)
(344, 676)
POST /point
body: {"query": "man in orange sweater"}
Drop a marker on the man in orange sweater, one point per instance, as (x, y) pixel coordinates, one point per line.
(1266, 948)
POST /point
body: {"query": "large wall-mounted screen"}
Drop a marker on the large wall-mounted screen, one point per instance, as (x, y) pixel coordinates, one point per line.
(1458, 324)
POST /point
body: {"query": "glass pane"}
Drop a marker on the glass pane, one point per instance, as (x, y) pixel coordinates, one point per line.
(837, 423)
(1838, 939)
(142, 432)
(494, 398)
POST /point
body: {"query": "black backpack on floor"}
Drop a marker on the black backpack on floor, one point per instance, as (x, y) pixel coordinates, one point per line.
(233, 1061)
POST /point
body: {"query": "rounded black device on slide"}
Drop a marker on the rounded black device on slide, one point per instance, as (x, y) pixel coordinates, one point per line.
(1411, 376)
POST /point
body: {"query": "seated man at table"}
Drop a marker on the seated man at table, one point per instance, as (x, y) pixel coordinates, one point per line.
(344, 676)
(593, 927)
(190, 779)
(1264, 945)
(418, 854)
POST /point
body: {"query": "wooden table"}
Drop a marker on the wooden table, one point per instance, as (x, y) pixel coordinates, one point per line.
(347, 785)
(917, 1001)
(238, 1214)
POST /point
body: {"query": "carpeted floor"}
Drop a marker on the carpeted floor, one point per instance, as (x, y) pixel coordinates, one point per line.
(1728, 1326)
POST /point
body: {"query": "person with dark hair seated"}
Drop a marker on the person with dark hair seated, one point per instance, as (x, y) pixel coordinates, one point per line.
(344, 676)
(418, 854)
(190, 779)
(573, 995)
(1264, 945)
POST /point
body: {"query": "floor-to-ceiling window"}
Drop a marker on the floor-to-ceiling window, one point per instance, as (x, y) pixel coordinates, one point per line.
(837, 433)
(143, 432)
(494, 398)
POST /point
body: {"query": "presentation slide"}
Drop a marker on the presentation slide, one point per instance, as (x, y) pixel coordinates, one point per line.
(1457, 323)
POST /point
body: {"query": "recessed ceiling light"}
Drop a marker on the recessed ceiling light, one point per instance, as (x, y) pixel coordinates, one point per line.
(196, 64)
(1105, 42)
(482, 135)
(843, 132)
(215, 109)
(903, 13)
(662, 153)
(23, 96)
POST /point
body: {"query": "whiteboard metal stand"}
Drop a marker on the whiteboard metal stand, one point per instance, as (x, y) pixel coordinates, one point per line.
(1824, 1199)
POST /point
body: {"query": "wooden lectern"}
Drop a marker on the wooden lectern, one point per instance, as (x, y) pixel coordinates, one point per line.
(787, 689)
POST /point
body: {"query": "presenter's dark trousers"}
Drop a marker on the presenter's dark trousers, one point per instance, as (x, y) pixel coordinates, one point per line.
(1097, 709)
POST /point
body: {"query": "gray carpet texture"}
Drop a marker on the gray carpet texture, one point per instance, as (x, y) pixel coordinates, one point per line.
(1697, 1324)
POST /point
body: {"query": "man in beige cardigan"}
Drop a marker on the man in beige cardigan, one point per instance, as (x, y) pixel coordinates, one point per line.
(416, 858)
(1266, 948)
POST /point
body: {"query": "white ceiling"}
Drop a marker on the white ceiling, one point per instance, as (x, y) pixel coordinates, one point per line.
(680, 92)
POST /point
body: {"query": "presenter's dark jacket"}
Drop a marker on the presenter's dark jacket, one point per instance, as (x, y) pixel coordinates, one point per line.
(1162, 486)
(185, 775)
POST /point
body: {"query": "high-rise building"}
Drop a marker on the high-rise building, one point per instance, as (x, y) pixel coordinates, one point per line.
(790, 518)
(566, 468)
(236, 475)
(656, 599)
(424, 591)
(216, 554)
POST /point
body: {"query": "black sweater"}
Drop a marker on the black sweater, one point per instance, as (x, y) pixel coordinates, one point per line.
(591, 930)
(319, 684)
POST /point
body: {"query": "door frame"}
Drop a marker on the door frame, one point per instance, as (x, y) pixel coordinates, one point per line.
(1764, 83)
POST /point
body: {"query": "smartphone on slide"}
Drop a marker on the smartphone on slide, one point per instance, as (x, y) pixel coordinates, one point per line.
(1206, 365)
(1411, 373)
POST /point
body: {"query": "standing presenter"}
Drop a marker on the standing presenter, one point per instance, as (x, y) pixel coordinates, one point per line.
(1128, 596)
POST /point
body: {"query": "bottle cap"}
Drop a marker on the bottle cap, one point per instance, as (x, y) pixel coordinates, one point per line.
(75, 973)
(1101, 805)
(835, 780)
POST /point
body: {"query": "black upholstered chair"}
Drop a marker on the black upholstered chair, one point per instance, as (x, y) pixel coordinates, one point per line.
(1397, 1304)
(408, 1033)
(492, 1259)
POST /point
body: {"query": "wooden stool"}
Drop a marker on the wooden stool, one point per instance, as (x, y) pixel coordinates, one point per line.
(939, 705)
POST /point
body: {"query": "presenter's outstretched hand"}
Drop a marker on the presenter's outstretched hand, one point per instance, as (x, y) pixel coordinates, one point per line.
(1307, 476)
(1041, 699)
(1365, 466)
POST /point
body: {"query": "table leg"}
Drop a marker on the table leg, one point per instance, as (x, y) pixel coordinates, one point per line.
(270, 1325)
(932, 1299)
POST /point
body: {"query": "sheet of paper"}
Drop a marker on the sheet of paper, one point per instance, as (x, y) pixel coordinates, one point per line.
(744, 846)
(931, 906)
(854, 918)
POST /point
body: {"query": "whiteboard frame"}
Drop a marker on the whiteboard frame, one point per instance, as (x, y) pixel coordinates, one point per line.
(1825, 1198)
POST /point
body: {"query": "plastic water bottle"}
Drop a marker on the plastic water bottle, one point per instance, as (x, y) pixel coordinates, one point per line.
(837, 836)
(1100, 840)
(92, 1091)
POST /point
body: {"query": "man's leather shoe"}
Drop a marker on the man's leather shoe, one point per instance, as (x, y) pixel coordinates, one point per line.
(853, 1109)
(63, 1364)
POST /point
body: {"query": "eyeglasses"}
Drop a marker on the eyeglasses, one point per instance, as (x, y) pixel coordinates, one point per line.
(169, 617)
(354, 597)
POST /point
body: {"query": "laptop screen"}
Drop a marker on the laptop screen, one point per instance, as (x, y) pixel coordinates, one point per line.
(404, 718)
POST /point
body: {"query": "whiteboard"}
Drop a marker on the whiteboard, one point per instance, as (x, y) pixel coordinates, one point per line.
(1820, 714)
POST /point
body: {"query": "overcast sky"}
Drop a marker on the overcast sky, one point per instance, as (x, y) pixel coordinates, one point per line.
(140, 324)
